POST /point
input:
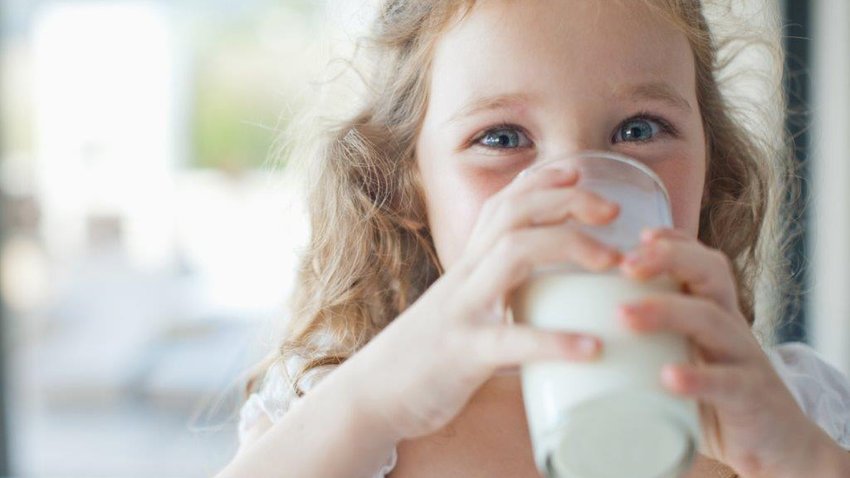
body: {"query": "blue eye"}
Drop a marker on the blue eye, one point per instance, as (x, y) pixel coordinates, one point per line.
(640, 130)
(637, 130)
(504, 137)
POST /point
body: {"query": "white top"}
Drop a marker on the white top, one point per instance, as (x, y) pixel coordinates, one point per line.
(822, 392)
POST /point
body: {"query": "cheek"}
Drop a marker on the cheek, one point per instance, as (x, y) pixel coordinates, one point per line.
(685, 214)
(454, 196)
(683, 171)
(684, 184)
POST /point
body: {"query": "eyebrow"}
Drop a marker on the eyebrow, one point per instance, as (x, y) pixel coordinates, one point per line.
(657, 91)
(488, 103)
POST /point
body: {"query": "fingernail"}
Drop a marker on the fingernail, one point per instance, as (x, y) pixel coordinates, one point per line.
(563, 173)
(625, 310)
(609, 208)
(668, 373)
(587, 345)
(560, 171)
(568, 170)
(631, 259)
(557, 164)
(674, 378)
(647, 235)
(607, 258)
(637, 315)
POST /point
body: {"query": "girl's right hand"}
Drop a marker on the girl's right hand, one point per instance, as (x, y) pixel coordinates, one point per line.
(419, 372)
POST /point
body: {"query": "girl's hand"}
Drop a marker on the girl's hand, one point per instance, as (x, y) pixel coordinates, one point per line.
(749, 418)
(419, 372)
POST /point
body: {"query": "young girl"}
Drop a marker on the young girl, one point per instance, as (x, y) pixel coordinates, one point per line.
(421, 229)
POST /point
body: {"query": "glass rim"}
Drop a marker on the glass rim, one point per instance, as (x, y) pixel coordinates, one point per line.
(618, 157)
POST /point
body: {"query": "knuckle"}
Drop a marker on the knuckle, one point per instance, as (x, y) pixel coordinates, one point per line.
(720, 313)
(512, 251)
(680, 233)
(653, 305)
(720, 382)
(576, 244)
(462, 269)
(659, 309)
(664, 247)
(511, 245)
(717, 283)
(489, 206)
(486, 343)
(501, 338)
(587, 251)
(713, 310)
(722, 260)
(577, 196)
(456, 342)
(593, 199)
(709, 380)
(584, 202)
(734, 382)
(521, 267)
(503, 213)
(591, 204)
(581, 242)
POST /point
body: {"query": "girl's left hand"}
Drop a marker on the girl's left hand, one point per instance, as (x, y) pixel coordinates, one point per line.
(750, 420)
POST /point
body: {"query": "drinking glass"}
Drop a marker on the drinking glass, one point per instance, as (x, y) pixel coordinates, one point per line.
(609, 418)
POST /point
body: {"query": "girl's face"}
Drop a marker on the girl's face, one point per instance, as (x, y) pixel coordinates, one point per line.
(520, 82)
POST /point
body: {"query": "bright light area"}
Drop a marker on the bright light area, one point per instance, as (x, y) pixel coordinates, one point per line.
(153, 238)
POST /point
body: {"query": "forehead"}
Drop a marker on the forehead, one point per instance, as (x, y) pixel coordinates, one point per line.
(571, 48)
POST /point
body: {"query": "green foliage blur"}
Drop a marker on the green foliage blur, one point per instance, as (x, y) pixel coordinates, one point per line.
(248, 73)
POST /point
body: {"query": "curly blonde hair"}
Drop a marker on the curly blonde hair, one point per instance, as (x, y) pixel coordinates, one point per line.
(370, 254)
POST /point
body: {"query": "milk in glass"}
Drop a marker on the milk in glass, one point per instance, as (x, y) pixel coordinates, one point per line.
(609, 418)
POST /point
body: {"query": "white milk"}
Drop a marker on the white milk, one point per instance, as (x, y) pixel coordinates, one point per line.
(611, 417)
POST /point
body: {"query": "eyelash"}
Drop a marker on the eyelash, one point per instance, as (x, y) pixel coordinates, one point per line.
(475, 141)
(664, 125)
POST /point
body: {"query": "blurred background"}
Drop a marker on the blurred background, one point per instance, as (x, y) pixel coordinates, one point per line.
(149, 234)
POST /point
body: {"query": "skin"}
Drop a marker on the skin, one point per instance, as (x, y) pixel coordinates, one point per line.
(425, 384)
(565, 112)
(589, 61)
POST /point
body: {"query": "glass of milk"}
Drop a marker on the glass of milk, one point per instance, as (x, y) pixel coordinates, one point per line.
(609, 418)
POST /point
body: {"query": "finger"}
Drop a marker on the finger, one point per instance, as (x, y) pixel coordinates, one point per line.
(512, 260)
(651, 234)
(507, 345)
(703, 271)
(491, 223)
(544, 178)
(719, 385)
(548, 176)
(701, 320)
(543, 198)
(550, 206)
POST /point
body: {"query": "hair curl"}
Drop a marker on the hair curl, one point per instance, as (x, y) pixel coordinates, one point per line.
(370, 254)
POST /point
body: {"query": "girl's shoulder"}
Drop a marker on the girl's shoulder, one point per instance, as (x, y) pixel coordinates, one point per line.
(821, 390)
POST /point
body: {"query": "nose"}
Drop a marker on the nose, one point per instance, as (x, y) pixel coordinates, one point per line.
(570, 149)
(573, 131)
